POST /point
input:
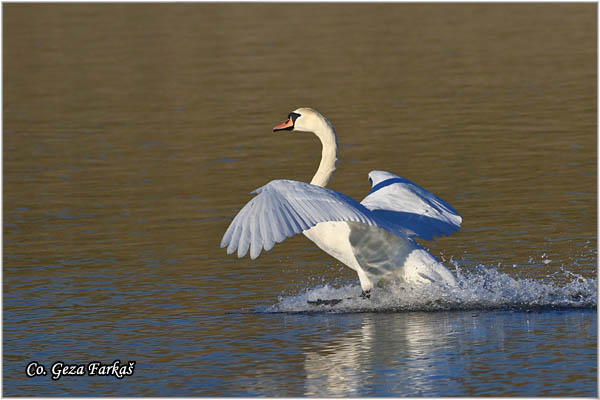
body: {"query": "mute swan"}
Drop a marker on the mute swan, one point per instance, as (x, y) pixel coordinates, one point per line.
(373, 237)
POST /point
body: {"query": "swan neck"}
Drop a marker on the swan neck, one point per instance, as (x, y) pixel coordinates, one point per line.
(326, 169)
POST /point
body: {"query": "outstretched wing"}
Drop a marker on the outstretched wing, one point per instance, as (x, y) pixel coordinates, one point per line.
(284, 208)
(410, 208)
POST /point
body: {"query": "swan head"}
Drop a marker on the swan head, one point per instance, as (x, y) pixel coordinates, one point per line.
(302, 119)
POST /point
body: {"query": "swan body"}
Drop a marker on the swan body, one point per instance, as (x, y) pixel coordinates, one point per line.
(375, 237)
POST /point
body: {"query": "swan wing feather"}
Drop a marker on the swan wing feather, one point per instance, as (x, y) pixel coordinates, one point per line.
(410, 208)
(284, 208)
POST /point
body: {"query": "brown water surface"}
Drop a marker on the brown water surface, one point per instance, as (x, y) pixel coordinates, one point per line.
(132, 135)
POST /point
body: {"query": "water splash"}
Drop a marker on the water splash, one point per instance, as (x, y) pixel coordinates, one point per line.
(479, 289)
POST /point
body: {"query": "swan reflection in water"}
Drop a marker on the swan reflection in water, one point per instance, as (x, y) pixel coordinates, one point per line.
(414, 348)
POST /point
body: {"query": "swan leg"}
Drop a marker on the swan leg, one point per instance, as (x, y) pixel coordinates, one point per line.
(365, 282)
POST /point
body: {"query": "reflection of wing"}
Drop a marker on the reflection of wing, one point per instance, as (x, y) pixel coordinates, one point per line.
(285, 208)
(400, 202)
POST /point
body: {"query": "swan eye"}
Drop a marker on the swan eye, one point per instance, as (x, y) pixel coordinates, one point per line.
(294, 116)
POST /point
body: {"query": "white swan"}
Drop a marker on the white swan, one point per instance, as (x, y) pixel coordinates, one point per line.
(373, 237)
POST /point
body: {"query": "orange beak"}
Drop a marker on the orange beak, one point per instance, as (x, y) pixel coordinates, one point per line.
(287, 125)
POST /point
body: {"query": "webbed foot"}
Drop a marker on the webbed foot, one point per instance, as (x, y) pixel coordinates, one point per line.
(318, 302)
(333, 302)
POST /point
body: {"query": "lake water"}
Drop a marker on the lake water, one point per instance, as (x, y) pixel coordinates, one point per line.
(133, 134)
